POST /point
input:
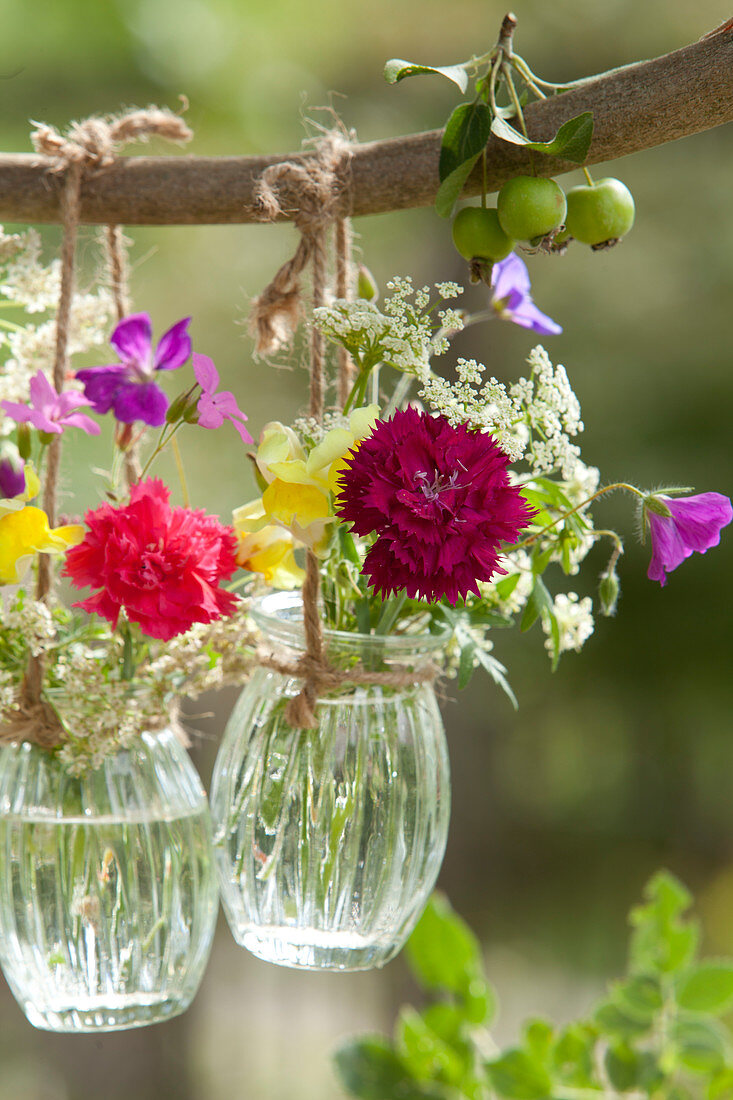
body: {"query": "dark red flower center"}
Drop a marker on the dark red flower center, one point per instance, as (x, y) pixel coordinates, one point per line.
(431, 499)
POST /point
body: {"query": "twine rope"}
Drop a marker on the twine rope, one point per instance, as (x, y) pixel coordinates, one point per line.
(319, 189)
(90, 145)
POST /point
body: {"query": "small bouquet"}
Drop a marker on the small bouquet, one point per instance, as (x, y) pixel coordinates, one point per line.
(447, 506)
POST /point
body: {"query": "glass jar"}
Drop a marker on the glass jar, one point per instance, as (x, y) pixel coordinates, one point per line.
(108, 895)
(328, 841)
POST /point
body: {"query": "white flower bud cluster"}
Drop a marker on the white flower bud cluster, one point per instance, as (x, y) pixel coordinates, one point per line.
(552, 414)
(574, 620)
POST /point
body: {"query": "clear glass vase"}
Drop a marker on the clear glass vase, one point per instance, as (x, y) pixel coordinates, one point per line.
(108, 894)
(329, 841)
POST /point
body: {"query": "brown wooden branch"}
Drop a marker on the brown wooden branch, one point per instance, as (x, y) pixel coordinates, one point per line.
(634, 108)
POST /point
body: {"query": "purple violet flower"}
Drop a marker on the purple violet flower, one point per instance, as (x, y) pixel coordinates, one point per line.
(128, 388)
(215, 408)
(680, 527)
(511, 298)
(50, 411)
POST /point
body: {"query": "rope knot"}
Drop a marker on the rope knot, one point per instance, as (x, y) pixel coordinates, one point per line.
(94, 142)
(313, 192)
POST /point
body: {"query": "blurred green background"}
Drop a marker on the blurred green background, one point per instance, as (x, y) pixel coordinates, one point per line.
(620, 762)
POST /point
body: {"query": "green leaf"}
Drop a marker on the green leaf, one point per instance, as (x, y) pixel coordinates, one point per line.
(661, 941)
(538, 1036)
(396, 69)
(639, 996)
(706, 988)
(519, 1076)
(442, 951)
(450, 189)
(721, 1086)
(617, 1024)
(539, 602)
(571, 142)
(573, 1055)
(622, 1066)
(427, 1055)
(700, 1045)
(465, 136)
(371, 1070)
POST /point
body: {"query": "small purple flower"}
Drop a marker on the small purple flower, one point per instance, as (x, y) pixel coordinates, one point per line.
(215, 408)
(12, 473)
(511, 298)
(680, 527)
(50, 411)
(128, 388)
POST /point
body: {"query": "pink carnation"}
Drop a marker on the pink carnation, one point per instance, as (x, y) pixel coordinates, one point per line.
(438, 498)
(162, 565)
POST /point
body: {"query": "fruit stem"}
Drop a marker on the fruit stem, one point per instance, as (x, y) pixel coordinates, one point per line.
(484, 179)
(588, 176)
(506, 72)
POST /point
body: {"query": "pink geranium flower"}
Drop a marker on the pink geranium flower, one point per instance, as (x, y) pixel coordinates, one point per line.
(681, 527)
(439, 499)
(50, 411)
(214, 408)
(162, 565)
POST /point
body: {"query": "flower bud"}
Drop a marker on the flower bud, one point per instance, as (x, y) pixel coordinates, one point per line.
(191, 412)
(23, 436)
(176, 408)
(608, 591)
(12, 474)
(366, 285)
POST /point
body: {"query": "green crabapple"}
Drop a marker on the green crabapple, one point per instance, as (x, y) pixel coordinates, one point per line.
(478, 236)
(530, 207)
(601, 212)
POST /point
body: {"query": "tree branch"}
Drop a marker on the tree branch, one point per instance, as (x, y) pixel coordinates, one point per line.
(634, 108)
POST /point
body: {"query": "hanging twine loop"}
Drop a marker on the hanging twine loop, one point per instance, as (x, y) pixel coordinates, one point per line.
(318, 189)
(87, 146)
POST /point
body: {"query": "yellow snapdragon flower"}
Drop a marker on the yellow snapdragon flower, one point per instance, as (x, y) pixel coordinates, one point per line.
(300, 486)
(266, 548)
(25, 533)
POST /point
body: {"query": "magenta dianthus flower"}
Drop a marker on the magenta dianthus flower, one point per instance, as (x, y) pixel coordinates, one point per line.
(681, 527)
(128, 388)
(50, 411)
(439, 499)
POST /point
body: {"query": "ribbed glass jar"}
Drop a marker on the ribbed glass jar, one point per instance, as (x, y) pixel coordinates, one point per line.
(329, 841)
(108, 895)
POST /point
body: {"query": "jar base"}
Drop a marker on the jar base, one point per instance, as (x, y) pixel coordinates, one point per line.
(96, 1014)
(315, 949)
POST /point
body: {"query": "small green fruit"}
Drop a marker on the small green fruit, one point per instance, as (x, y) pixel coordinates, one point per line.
(603, 212)
(478, 236)
(529, 207)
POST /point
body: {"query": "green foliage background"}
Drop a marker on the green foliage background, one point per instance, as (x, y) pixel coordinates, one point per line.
(623, 759)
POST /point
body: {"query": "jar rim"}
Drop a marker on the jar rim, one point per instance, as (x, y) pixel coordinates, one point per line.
(280, 615)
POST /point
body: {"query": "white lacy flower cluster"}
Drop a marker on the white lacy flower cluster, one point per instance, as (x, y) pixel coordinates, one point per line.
(402, 335)
(101, 712)
(34, 287)
(552, 416)
(486, 406)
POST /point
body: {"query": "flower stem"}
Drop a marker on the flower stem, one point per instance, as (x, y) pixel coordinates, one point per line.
(181, 472)
(572, 511)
